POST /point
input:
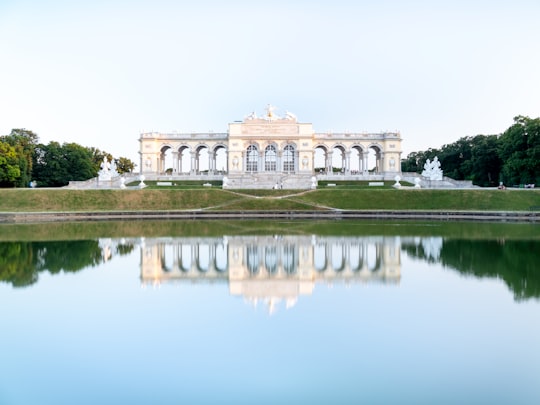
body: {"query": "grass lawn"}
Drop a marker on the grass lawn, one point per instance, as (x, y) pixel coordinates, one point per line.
(32, 200)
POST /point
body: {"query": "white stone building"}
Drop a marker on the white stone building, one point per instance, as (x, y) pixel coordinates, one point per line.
(271, 151)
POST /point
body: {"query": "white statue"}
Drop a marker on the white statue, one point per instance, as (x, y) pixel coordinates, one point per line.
(397, 184)
(252, 116)
(290, 116)
(113, 169)
(104, 173)
(105, 164)
(314, 182)
(225, 181)
(432, 170)
(270, 115)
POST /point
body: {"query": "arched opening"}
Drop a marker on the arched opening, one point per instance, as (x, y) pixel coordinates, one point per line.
(252, 159)
(202, 160)
(288, 259)
(357, 164)
(166, 165)
(184, 159)
(338, 160)
(220, 260)
(374, 161)
(203, 257)
(319, 257)
(185, 258)
(337, 252)
(319, 159)
(270, 159)
(270, 259)
(252, 256)
(220, 159)
(356, 257)
(288, 159)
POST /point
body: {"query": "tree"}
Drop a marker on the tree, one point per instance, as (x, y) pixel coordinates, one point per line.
(23, 141)
(124, 165)
(56, 165)
(485, 161)
(10, 172)
(519, 150)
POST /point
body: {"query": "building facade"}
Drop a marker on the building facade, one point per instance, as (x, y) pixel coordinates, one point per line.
(271, 150)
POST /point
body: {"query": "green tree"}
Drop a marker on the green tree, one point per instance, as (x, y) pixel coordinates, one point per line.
(124, 165)
(519, 150)
(56, 165)
(485, 161)
(10, 171)
(24, 142)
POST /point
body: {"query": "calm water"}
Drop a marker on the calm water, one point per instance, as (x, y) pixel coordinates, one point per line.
(345, 312)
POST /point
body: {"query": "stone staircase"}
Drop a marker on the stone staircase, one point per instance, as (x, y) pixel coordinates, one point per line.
(269, 180)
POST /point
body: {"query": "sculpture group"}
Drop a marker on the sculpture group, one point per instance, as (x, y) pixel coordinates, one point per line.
(432, 170)
(108, 170)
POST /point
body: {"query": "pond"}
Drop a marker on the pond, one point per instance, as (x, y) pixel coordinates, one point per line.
(244, 312)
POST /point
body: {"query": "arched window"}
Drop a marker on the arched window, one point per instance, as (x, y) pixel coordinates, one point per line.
(288, 159)
(270, 158)
(252, 159)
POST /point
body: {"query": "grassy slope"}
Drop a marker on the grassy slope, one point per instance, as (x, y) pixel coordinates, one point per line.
(20, 200)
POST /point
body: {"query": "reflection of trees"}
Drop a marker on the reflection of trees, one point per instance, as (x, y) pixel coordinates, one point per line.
(514, 261)
(21, 262)
(17, 263)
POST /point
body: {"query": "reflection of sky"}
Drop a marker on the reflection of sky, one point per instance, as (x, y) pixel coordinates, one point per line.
(99, 337)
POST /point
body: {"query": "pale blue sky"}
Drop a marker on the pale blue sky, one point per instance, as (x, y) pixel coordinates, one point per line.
(98, 73)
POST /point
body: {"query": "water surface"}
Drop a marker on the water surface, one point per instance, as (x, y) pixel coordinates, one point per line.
(267, 312)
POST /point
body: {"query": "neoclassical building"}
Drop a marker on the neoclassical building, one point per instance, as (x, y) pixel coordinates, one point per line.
(271, 151)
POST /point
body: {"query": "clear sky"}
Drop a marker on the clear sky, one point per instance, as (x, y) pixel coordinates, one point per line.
(100, 72)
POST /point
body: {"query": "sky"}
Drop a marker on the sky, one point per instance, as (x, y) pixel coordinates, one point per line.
(99, 73)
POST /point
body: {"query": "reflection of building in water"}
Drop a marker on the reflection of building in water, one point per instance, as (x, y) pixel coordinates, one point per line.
(271, 268)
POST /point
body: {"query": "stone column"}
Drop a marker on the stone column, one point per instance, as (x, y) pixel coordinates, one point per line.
(365, 167)
(329, 166)
(348, 162)
(175, 161)
(193, 169)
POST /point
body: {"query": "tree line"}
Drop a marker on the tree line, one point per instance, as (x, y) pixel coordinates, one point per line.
(23, 159)
(512, 157)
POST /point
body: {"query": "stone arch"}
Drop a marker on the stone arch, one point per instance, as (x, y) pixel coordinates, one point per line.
(373, 257)
(218, 158)
(320, 158)
(320, 257)
(252, 259)
(356, 159)
(165, 160)
(185, 257)
(271, 259)
(356, 256)
(201, 158)
(338, 257)
(338, 158)
(203, 257)
(221, 258)
(375, 158)
(184, 159)
(289, 258)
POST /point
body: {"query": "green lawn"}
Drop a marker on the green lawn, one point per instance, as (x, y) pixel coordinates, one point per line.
(28, 200)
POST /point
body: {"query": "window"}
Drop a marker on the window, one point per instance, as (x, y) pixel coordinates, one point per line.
(288, 159)
(252, 159)
(270, 158)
